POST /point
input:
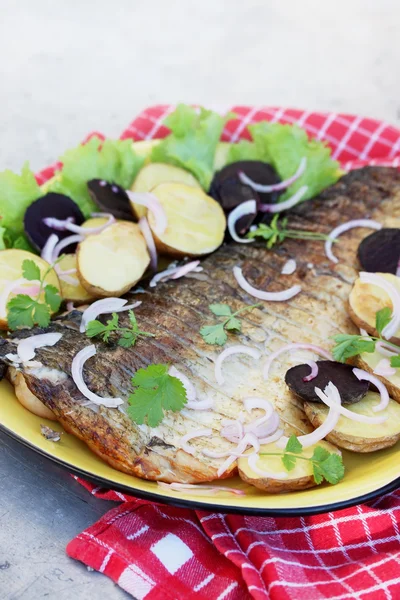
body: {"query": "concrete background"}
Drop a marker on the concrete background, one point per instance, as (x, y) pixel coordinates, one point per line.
(68, 68)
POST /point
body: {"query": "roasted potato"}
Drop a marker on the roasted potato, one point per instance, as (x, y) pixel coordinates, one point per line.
(152, 175)
(300, 478)
(111, 262)
(369, 361)
(11, 270)
(94, 222)
(196, 222)
(366, 300)
(360, 437)
(25, 396)
(72, 292)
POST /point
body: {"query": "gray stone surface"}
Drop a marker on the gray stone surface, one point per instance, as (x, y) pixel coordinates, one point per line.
(71, 67)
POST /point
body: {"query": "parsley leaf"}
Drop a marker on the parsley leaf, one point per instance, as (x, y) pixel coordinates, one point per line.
(395, 361)
(382, 318)
(216, 334)
(30, 270)
(351, 345)
(276, 232)
(155, 392)
(128, 336)
(26, 311)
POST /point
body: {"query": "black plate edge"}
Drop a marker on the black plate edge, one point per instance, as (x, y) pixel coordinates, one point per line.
(255, 512)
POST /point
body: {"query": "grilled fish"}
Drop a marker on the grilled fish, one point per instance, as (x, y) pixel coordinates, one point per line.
(175, 311)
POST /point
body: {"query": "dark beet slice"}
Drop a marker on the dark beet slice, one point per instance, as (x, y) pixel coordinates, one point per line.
(50, 205)
(110, 198)
(380, 251)
(351, 390)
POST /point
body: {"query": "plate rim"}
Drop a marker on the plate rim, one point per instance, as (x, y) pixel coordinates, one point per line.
(193, 504)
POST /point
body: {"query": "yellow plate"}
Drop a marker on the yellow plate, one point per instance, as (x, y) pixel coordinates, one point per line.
(367, 475)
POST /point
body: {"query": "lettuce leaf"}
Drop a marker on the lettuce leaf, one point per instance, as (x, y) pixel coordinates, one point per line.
(283, 146)
(243, 150)
(17, 192)
(192, 142)
(112, 160)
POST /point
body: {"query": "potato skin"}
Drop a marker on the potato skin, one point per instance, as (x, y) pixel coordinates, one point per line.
(274, 486)
(349, 442)
(394, 391)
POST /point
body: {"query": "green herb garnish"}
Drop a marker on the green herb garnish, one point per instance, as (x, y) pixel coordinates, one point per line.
(326, 465)
(24, 311)
(216, 334)
(155, 392)
(348, 346)
(128, 336)
(276, 232)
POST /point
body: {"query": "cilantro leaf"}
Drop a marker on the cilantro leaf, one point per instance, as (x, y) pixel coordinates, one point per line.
(317, 473)
(220, 310)
(155, 392)
(127, 336)
(192, 142)
(293, 445)
(112, 160)
(52, 297)
(41, 314)
(382, 318)
(214, 334)
(234, 324)
(351, 345)
(289, 461)
(30, 270)
(94, 328)
(127, 339)
(332, 468)
(395, 361)
(19, 312)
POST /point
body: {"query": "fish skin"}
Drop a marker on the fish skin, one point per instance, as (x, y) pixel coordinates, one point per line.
(174, 311)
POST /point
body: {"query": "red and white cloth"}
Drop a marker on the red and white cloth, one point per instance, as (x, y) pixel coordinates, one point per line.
(158, 552)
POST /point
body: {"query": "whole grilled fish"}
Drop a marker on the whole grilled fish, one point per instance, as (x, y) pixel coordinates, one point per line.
(175, 311)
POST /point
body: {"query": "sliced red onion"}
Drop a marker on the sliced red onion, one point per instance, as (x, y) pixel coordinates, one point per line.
(190, 436)
(70, 306)
(366, 223)
(265, 429)
(245, 208)
(199, 489)
(105, 306)
(148, 236)
(375, 279)
(26, 347)
(384, 368)
(31, 290)
(9, 288)
(365, 376)
(71, 239)
(175, 272)
(233, 430)
(310, 439)
(48, 249)
(261, 295)
(364, 332)
(271, 438)
(316, 349)
(289, 203)
(254, 402)
(252, 461)
(239, 349)
(314, 370)
(289, 267)
(385, 350)
(248, 440)
(275, 187)
(66, 225)
(77, 375)
(398, 269)
(152, 203)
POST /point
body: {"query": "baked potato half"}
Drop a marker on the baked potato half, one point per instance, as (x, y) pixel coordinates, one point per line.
(355, 436)
(369, 361)
(300, 478)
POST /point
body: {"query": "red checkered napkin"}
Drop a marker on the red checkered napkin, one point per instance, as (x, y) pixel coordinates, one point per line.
(156, 552)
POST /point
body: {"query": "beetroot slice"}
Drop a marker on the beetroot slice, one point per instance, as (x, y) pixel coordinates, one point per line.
(50, 205)
(380, 251)
(110, 198)
(351, 390)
